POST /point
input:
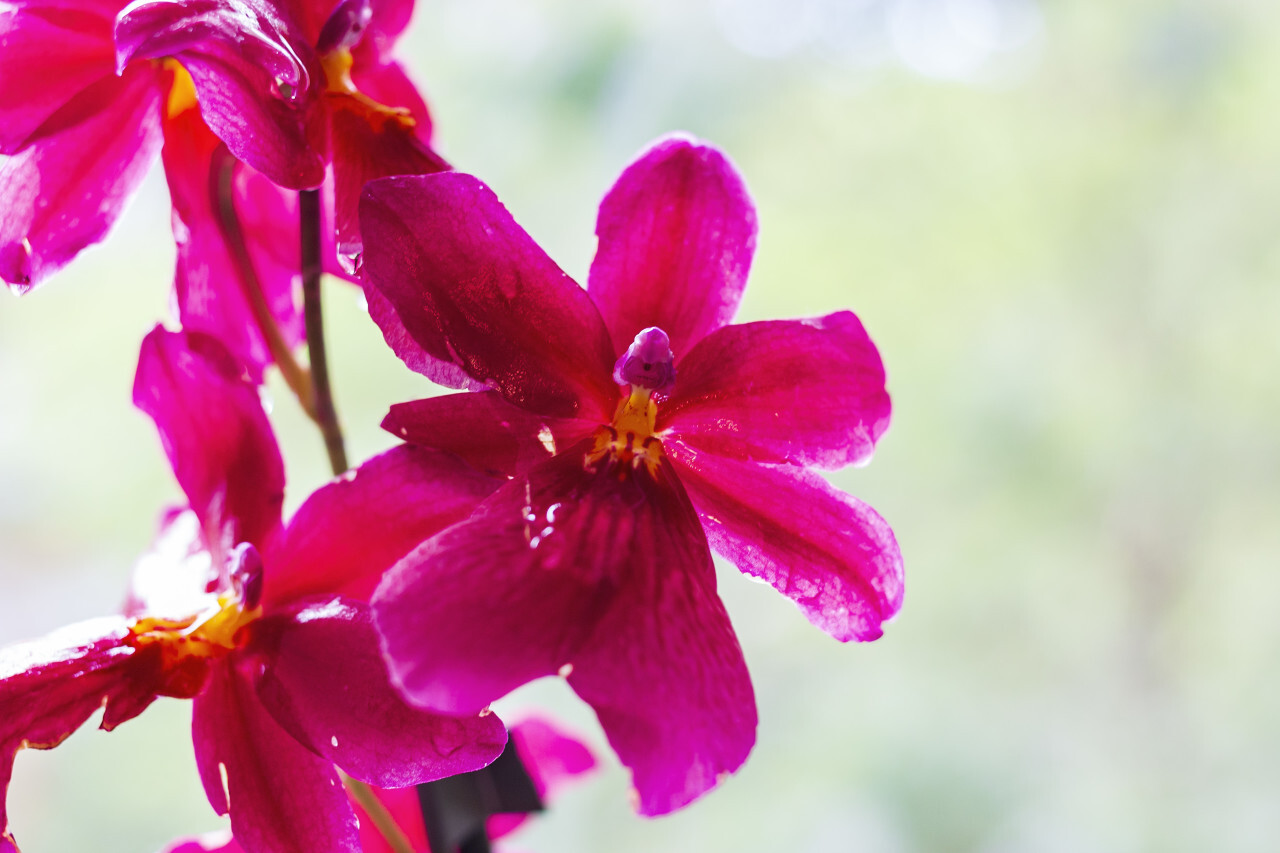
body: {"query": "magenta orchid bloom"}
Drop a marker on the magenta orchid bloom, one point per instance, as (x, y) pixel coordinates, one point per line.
(80, 139)
(293, 87)
(554, 758)
(635, 425)
(270, 636)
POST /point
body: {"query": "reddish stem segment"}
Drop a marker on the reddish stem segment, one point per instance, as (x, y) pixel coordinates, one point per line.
(221, 178)
(326, 417)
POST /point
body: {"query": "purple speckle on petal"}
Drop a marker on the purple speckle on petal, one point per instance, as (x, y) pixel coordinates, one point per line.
(648, 362)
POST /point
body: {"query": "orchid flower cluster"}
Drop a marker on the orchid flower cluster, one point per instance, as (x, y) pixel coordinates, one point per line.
(555, 517)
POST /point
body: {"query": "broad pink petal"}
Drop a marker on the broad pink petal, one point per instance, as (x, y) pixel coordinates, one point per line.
(606, 578)
(255, 74)
(473, 288)
(485, 430)
(48, 56)
(663, 669)
(50, 687)
(417, 359)
(677, 233)
(325, 683)
(213, 295)
(368, 144)
(216, 436)
(554, 759)
(282, 796)
(51, 211)
(824, 549)
(807, 392)
(348, 532)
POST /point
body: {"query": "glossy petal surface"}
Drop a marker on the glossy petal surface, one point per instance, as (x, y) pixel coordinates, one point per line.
(607, 577)
(212, 293)
(484, 430)
(326, 684)
(807, 392)
(824, 549)
(350, 531)
(49, 55)
(216, 435)
(471, 287)
(49, 687)
(677, 233)
(254, 73)
(286, 798)
(52, 212)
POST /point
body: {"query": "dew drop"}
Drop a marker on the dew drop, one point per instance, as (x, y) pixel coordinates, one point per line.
(284, 89)
(334, 741)
(15, 264)
(565, 671)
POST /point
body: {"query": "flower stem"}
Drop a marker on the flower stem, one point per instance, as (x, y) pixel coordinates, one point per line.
(222, 175)
(325, 415)
(377, 812)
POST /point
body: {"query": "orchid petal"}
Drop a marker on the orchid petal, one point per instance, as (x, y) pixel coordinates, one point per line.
(212, 294)
(486, 431)
(48, 56)
(50, 687)
(325, 682)
(50, 211)
(255, 76)
(806, 392)
(369, 144)
(663, 669)
(348, 532)
(215, 434)
(282, 796)
(473, 288)
(417, 359)
(605, 579)
(677, 234)
(826, 550)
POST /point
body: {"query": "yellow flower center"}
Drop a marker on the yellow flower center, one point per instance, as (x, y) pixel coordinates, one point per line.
(185, 647)
(629, 440)
(337, 76)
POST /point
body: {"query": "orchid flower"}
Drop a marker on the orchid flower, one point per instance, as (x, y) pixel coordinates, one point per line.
(262, 625)
(293, 87)
(76, 141)
(554, 758)
(637, 428)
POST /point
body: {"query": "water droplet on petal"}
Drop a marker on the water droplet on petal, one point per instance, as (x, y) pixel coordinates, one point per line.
(15, 264)
(566, 670)
(285, 89)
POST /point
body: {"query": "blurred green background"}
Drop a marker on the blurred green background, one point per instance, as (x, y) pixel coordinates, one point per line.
(1057, 219)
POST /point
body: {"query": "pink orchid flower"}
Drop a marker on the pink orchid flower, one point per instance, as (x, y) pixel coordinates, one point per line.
(639, 430)
(262, 625)
(76, 140)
